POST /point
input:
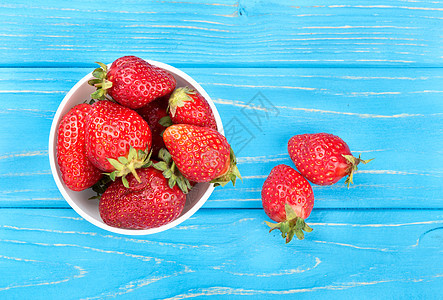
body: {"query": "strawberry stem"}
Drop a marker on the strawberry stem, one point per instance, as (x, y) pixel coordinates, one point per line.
(231, 175)
(134, 173)
(100, 82)
(293, 225)
(178, 99)
(354, 161)
(171, 172)
(129, 164)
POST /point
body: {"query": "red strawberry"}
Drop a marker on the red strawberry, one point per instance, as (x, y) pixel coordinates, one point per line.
(323, 158)
(201, 154)
(114, 137)
(148, 204)
(132, 82)
(152, 113)
(287, 198)
(187, 106)
(78, 173)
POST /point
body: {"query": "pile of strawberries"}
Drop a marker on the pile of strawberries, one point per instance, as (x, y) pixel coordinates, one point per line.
(287, 196)
(142, 145)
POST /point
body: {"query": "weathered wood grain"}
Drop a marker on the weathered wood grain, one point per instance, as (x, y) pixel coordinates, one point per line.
(394, 115)
(223, 32)
(264, 63)
(394, 254)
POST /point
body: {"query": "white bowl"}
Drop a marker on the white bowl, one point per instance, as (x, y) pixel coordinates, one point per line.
(79, 201)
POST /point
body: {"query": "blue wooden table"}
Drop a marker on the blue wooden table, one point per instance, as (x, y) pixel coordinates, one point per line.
(367, 71)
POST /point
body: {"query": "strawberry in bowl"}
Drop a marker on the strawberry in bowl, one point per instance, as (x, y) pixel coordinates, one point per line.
(117, 142)
(132, 82)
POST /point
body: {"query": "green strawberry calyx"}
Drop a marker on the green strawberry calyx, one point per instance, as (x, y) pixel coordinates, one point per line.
(354, 161)
(179, 98)
(165, 121)
(231, 175)
(171, 172)
(129, 164)
(100, 82)
(293, 225)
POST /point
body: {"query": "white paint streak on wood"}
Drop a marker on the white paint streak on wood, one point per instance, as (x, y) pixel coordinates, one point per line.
(149, 242)
(245, 190)
(233, 15)
(280, 273)
(25, 154)
(36, 35)
(382, 78)
(386, 6)
(47, 230)
(238, 104)
(324, 76)
(347, 39)
(43, 172)
(190, 227)
(262, 86)
(210, 4)
(19, 191)
(136, 284)
(384, 60)
(77, 10)
(357, 26)
(38, 79)
(218, 291)
(42, 199)
(18, 259)
(313, 110)
(379, 225)
(180, 27)
(340, 33)
(135, 256)
(394, 172)
(426, 91)
(369, 151)
(236, 200)
(246, 220)
(267, 158)
(404, 115)
(343, 60)
(126, 239)
(355, 247)
(47, 114)
(374, 93)
(209, 22)
(31, 91)
(255, 177)
(69, 218)
(80, 273)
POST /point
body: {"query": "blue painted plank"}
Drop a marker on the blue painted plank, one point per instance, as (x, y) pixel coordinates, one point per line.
(223, 33)
(394, 254)
(393, 115)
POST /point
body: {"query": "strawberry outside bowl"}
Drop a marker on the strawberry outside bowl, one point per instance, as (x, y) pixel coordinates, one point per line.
(79, 201)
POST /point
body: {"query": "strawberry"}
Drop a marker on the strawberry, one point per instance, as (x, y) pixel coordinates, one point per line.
(78, 173)
(288, 199)
(187, 106)
(132, 82)
(201, 154)
(152, 113)
(323, 158)
(117, 139)
(147, 204)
